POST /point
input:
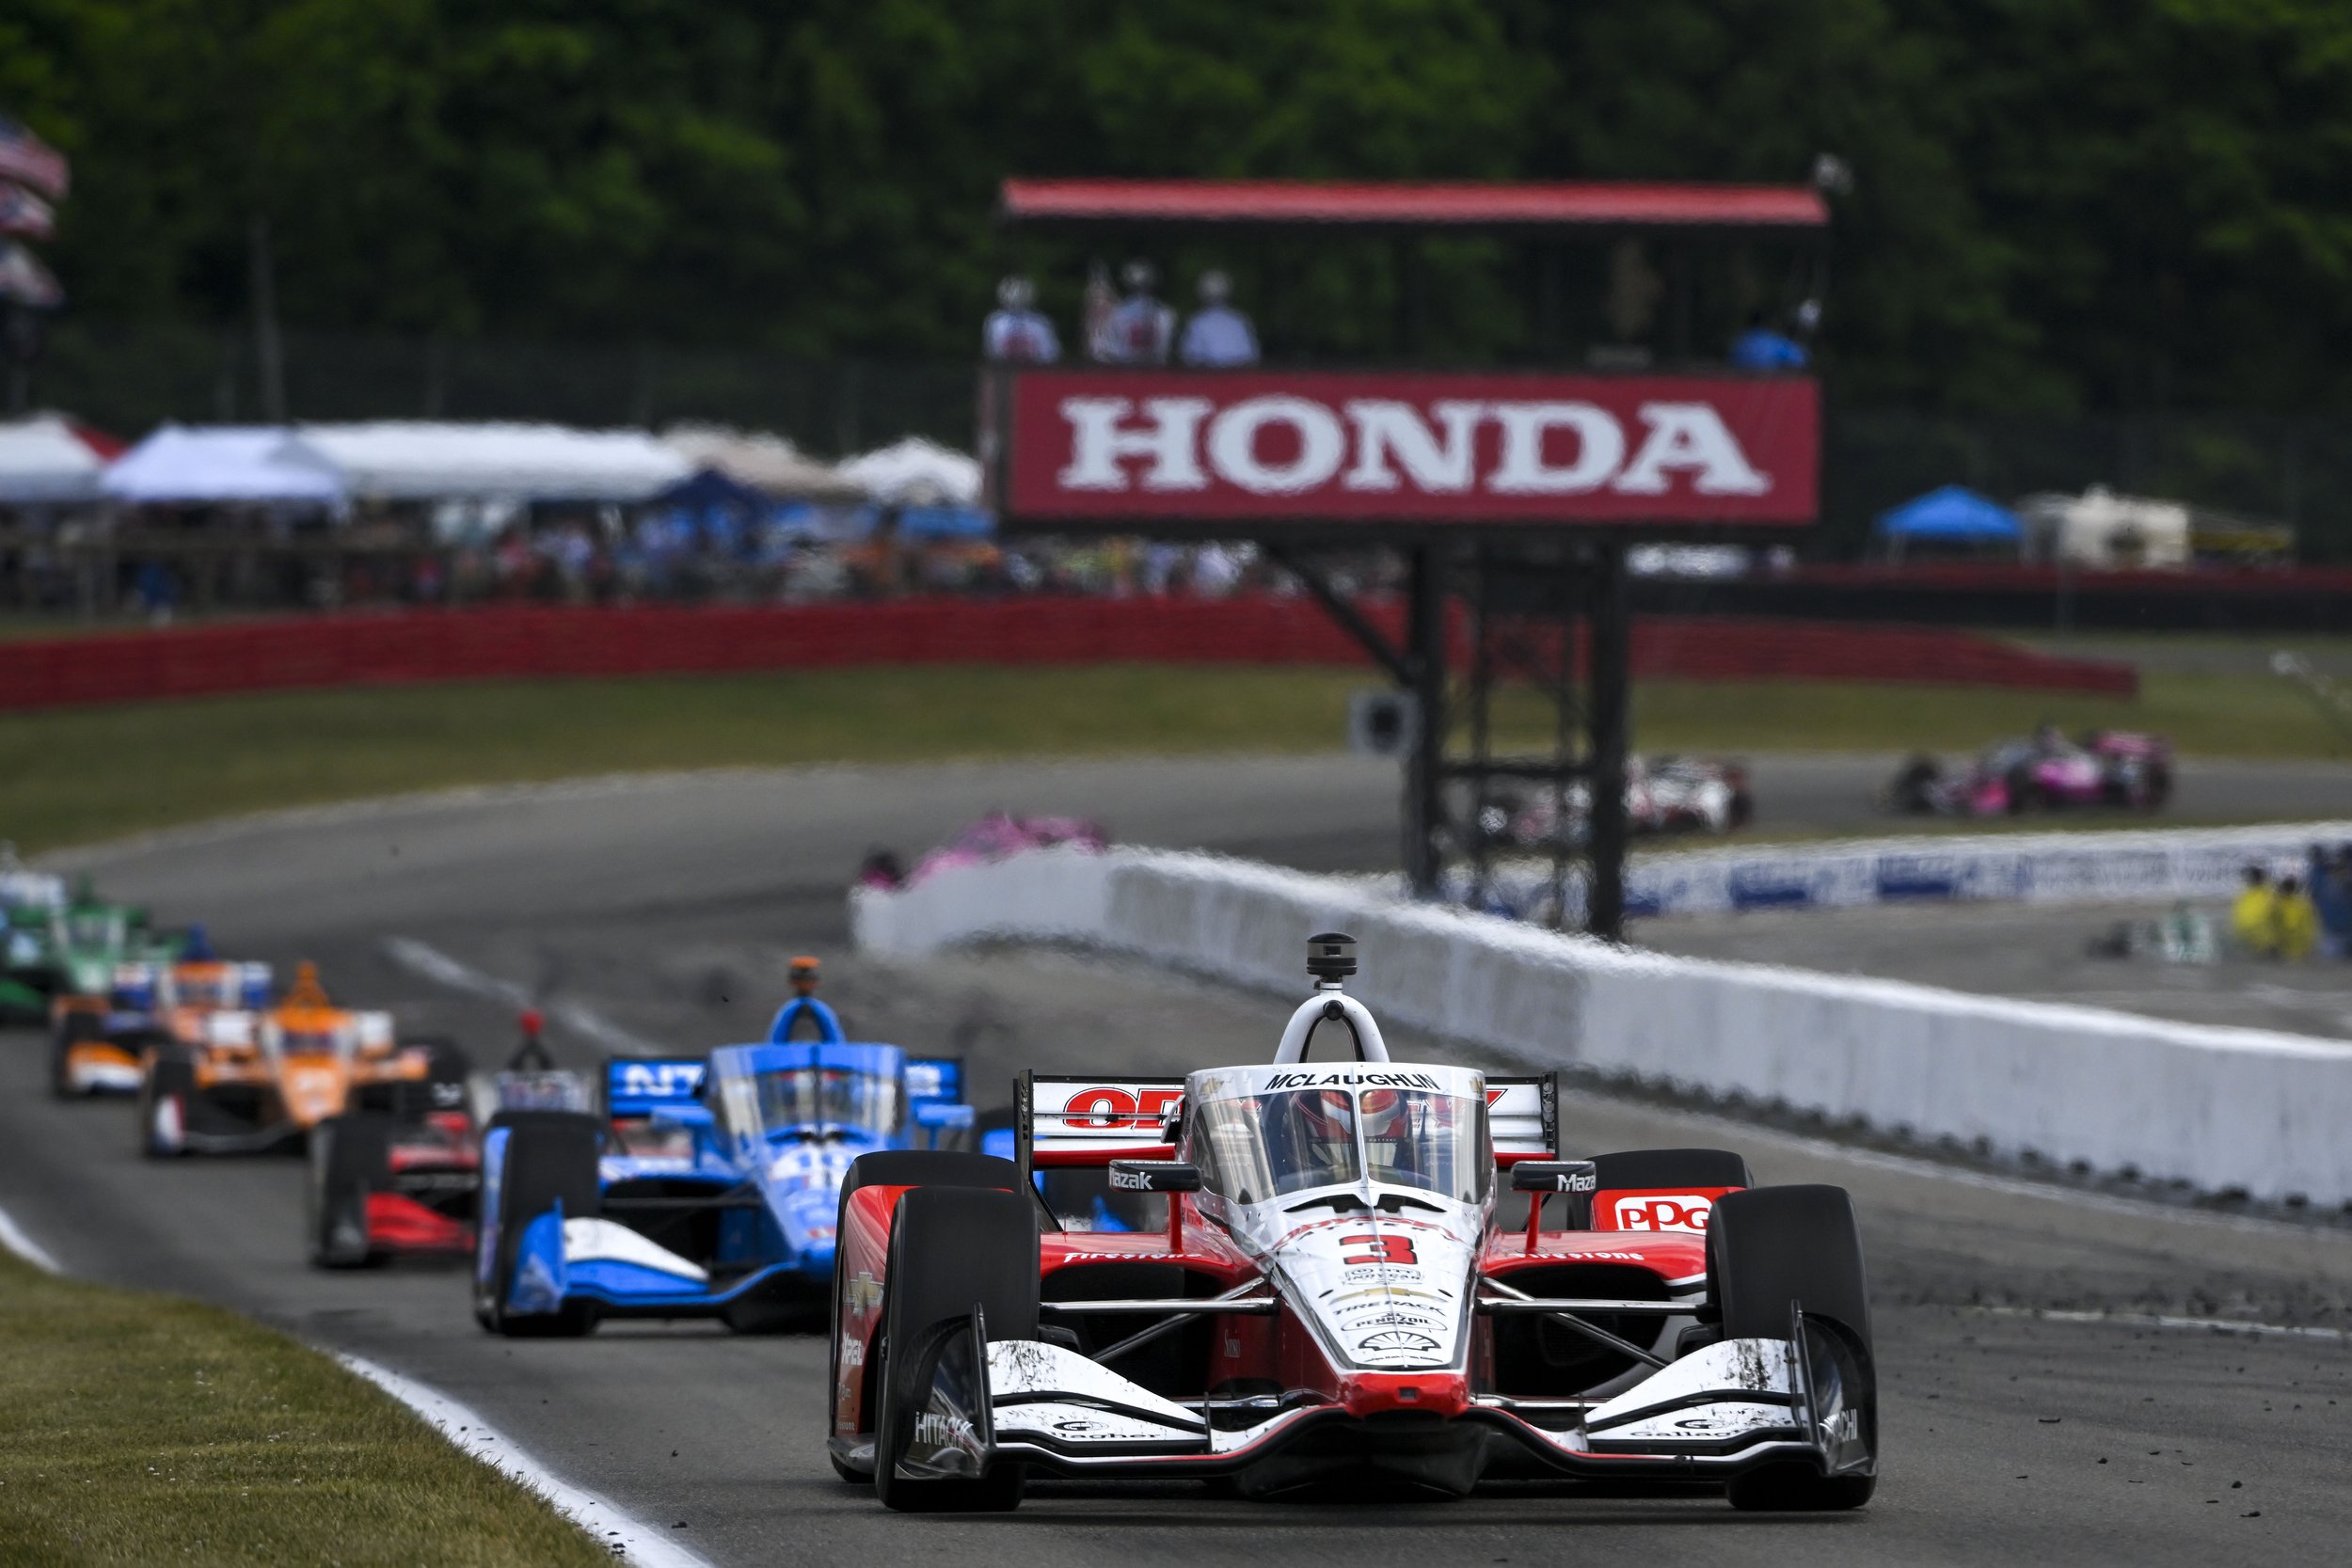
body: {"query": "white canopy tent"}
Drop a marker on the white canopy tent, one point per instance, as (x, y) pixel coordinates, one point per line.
(766, 463)
(915, 473)
(494, 462)
(43, 463)
(223, 465)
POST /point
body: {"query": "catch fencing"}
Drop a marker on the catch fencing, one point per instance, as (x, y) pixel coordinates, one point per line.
(360, 649)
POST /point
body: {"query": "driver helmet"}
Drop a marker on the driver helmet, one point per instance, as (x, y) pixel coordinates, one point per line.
(1312, 1122)
(1388, 1130)
(804, 975)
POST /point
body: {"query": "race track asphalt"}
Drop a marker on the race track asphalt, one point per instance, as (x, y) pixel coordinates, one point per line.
(666, 908)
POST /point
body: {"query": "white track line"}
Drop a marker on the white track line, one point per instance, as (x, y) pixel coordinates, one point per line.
(635, 1541)
(12, 1237)
(630, 1537)
(2166, 1320)
(430, 961)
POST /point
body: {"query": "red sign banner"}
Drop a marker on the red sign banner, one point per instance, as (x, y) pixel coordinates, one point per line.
(1115, 446)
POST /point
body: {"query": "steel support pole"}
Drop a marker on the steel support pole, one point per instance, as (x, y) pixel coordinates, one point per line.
(1607, 715)
(1424, 767)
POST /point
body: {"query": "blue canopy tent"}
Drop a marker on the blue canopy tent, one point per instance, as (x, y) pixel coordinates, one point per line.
(1951, 515)
(946, 522)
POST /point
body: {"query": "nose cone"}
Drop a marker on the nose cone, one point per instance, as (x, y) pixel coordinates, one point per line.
(1443, 1394)
(808, 1218)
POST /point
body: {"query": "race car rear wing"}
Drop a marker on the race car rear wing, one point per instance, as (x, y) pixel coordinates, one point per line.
(1061, 1120)
(636, 1087)
(934, 1080)
(1523, 1116)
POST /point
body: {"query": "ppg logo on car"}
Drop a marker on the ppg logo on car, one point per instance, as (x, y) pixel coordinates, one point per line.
(1651, 1211)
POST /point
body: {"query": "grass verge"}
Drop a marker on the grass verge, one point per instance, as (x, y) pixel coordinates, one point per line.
(91, 773)
(145, 1428)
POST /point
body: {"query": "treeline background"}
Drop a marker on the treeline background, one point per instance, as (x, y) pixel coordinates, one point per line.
(2060, 207)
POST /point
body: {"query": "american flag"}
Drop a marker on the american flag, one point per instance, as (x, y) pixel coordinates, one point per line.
(29, 160)
(22, 213)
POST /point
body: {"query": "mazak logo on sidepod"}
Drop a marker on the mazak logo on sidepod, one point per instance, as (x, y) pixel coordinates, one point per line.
(1654, 1212)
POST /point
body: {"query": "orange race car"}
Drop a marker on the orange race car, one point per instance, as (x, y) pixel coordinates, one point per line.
(250, 1081)
(99, 1037)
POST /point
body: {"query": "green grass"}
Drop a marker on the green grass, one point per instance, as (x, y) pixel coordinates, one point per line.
(89, 773)
(145, 1428)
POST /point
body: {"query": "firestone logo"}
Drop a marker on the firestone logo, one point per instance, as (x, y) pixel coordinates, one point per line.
(1286, 445)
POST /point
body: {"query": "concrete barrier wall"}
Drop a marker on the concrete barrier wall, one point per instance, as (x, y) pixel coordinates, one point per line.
(2219, 1108)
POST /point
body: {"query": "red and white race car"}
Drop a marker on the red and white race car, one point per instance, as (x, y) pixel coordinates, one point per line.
(1319, 1286)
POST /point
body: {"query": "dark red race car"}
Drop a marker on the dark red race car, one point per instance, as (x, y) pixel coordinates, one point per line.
(401, 1172)
(1315, 1284)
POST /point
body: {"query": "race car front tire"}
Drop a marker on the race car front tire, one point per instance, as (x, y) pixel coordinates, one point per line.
(1771, 1250)
(910, 1167)
(551, 1159)
(74, 1029)
(166, 1097)
(930, 1167)
(350, 1158)
(951, 1249)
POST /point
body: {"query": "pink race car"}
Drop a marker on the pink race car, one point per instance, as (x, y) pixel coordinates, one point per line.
(994, 837)
(2105, 768)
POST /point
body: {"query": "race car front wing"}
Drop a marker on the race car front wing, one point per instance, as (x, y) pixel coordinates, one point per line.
(1722, 1409)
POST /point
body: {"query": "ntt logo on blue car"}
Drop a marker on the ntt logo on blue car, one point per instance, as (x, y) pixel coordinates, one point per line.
(661, 1079)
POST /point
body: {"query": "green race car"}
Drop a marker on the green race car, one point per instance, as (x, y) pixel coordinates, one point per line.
(71, 949)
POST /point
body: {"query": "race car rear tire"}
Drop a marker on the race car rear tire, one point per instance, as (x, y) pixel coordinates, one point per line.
(1914, 789)
(1773, 1248)
(167, 1098)
(1638, 1168)
(551, 1159)
(951, 1248)
(350, 1158)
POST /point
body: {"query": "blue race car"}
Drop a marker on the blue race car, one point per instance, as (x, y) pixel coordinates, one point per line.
(706, 1189)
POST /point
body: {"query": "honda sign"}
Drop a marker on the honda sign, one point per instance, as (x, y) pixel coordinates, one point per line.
(1170, 445)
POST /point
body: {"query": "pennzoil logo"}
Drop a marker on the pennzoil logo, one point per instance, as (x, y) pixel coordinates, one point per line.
(1395, 1341)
